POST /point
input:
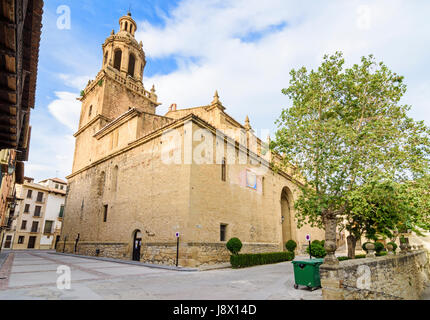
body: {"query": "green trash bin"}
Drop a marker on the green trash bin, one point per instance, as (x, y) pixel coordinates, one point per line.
(307, 273)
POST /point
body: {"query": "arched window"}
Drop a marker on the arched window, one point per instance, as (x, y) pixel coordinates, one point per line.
(90, 110)
(131, 64)
(118, 58)
(106, 57)
(126, 26)
(131, 28)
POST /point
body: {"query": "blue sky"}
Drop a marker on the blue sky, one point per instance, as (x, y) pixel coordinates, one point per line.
(243, 48)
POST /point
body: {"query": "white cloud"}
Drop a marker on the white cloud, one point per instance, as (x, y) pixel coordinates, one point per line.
(205, 38)
(250, 76)
(66, 109)
(76, 82)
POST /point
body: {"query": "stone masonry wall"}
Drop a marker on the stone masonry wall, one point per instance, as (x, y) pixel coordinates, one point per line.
(191, 254)
(396, 277)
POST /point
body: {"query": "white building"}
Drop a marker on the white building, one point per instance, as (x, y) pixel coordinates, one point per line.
(38, 215)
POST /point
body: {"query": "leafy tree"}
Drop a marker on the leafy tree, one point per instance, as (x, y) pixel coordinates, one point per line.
(345, 127)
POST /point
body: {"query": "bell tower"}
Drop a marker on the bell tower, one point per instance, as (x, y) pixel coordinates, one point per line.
(118, 86)
(122, 52)
(116, 89)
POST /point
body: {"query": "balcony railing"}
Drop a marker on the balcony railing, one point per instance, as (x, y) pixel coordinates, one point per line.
(48, 231)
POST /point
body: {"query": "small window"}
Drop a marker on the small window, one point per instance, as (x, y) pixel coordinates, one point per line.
(35, 226)
(60, 215)
(223, 232)
(21, 239)
(105, 209)
(48, 226)
(56, 186)
(90, 110)
(37, 211)
(24, 225)
(39, 197)
(27, 208)
(29, 194)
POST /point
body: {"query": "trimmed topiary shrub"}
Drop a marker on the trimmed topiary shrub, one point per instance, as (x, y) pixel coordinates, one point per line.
(381, 253)
(379, 247)
(342, 258)
(249, 259)
(317, 250)
(316, 242)
(364, 246)
(234, 245)
(291, 245)
(394, 245)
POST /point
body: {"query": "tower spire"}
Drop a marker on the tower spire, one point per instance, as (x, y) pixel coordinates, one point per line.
(247, 124)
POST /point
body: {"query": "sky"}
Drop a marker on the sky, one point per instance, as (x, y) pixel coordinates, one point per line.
(245, 49)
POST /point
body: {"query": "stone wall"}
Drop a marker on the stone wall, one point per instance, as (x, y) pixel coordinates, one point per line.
(191, 254)
(395, 277)
(108, 250)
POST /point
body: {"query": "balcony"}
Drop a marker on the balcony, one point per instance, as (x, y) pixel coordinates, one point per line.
(48, 231)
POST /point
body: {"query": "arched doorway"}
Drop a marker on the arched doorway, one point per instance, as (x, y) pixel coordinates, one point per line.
(137, 244)
(286, 208)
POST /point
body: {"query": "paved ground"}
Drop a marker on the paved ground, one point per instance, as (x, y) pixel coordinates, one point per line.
(33, 275)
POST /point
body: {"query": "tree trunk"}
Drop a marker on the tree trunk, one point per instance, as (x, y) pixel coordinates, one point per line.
(351, 241)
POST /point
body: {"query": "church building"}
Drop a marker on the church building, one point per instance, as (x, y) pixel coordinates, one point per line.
(141, 181)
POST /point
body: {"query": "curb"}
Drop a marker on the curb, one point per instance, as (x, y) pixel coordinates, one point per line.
(135, 263)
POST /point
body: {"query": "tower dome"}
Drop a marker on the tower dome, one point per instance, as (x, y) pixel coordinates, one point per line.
(127, 24)
(122, 52)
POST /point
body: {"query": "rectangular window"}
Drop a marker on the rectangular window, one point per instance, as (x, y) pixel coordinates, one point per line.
(37, 211)
(56, 186)
(27, 208)
(223, 232)
(105, 208)
(24, 225)
(48, 226)
(35, 226)
(60, 215)
(29, 194)
(39, 197)
(21, 239)
(223, 170)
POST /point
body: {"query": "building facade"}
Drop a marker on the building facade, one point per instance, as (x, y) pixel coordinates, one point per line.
(37, 215)
(140, 180)
(20, 30)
